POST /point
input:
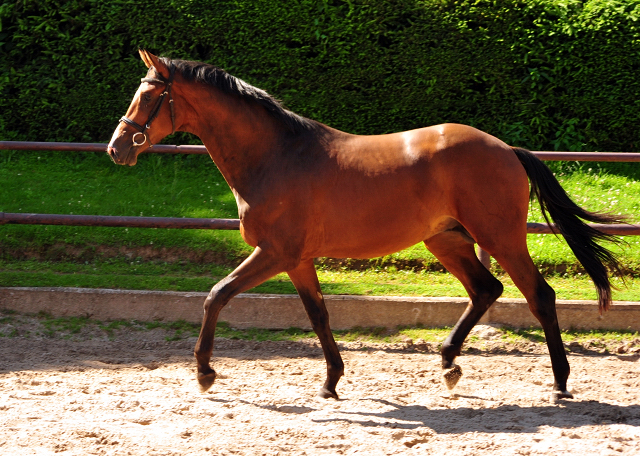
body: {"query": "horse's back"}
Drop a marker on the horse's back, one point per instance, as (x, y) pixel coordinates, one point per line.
(381, 154)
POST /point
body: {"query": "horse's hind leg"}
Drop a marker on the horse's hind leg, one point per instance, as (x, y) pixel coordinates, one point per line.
(457, 254)
(517, 262)
(305, 280)
(258, 267)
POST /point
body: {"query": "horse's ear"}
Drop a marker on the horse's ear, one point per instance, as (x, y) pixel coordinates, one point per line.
(146, 57)
(151, 60)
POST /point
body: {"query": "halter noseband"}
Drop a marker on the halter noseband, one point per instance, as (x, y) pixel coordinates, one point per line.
(155, 110)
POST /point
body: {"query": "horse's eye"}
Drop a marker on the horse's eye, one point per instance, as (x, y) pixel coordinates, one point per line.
(146, 97)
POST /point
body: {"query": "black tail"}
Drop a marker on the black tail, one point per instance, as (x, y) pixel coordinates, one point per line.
(567, 215)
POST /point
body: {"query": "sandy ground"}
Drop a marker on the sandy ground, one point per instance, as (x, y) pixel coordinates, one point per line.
(136, 394)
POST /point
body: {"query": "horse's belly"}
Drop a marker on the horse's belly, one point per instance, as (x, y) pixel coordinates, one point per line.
(363, 251)
(375, 216)
(372, 239)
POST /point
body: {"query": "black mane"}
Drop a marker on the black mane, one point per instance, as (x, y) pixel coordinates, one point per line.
(217, 77)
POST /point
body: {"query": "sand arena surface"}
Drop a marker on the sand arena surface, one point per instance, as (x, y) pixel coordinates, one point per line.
(136, 394)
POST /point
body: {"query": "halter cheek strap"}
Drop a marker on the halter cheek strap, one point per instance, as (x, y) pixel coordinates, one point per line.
(155, 111)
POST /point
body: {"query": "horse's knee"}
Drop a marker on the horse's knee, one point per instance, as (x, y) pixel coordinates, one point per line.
(211, 308)
(218, 297)
(208, 302)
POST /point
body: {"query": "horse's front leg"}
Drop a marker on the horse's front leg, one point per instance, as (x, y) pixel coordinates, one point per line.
(305, 280)
(258, 267)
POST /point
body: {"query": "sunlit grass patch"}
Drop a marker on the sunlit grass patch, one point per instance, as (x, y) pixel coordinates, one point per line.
(195, 277)
(427, 334)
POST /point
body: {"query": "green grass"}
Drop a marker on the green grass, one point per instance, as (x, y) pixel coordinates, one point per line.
(85, 183)
(194, 277)
(191, 186)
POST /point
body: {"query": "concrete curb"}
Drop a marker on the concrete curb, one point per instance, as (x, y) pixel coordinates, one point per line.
(284, 311)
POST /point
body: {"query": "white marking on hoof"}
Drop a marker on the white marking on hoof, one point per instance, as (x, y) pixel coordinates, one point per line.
(556, 395)
(451, 376)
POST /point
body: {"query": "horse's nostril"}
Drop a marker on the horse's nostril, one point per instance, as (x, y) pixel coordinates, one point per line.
(113, 153)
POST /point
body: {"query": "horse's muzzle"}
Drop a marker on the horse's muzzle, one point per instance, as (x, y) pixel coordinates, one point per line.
(113, 153)
(121, 158)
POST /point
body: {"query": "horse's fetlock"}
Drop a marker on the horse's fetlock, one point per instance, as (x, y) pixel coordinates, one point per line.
(337, 369)
(447, 364)
(449, 352)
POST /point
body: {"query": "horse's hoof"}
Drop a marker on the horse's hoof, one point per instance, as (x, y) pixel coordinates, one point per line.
(561, 395)
(451, 376)
(324, 393)
(206, 380)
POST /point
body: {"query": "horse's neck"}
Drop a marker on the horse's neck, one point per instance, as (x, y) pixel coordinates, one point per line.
(239, 136)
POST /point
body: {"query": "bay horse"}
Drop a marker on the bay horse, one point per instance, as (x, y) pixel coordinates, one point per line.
(305, 190)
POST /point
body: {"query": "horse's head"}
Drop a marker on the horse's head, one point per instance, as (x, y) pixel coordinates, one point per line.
(150, 116)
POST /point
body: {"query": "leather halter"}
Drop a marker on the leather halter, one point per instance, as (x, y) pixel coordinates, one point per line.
(156, 109)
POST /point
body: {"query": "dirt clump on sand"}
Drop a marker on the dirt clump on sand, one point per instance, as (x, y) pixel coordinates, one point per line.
(129, 392)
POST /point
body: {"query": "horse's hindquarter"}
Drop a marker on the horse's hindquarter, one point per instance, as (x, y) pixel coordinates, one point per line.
(389, 192)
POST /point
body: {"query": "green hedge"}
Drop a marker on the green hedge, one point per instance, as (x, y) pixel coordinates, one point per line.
(543, 74)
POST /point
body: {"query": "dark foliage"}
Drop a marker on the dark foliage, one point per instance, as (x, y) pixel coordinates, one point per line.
(217, 77)
(541, 74)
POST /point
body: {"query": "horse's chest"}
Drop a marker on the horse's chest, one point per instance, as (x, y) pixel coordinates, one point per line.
(268, 221)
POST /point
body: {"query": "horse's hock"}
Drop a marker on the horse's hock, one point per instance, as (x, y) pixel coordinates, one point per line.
(283, 311)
